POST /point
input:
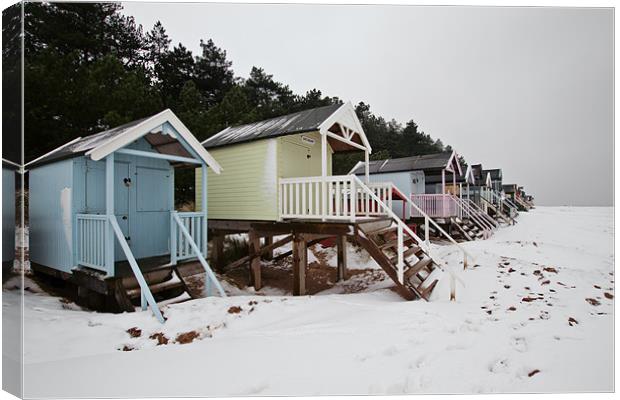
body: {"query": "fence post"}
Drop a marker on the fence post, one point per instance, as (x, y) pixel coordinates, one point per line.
(353, 208)
(173, 239)
(401, 260)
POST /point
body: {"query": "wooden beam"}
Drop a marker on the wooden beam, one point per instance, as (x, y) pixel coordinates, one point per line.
(309, 244)
(341, 243)
(262, 250)
(300, 262)
(319, 228)
(254, 243)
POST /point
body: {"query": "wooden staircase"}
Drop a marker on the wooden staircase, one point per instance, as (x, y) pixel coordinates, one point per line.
(467, 229)
(497, 214)
(169, 285)
(380, 240)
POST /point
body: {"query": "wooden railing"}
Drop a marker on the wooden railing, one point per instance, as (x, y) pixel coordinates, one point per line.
(180, 246)
(331, 197)
(434, 205)
(90, 235)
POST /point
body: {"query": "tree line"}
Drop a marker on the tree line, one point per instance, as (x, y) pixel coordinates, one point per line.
(89, 67)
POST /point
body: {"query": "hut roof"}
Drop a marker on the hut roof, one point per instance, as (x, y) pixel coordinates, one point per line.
(333, 118)
(435, 161)
(103, 143)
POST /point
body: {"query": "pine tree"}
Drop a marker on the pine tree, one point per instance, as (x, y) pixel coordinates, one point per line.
(213, 73)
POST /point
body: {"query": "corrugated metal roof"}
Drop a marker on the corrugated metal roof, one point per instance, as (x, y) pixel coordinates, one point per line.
(424, 162)
(299, 122)
(82, 145)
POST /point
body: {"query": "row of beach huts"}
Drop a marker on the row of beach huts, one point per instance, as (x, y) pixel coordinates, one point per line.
(101, 209)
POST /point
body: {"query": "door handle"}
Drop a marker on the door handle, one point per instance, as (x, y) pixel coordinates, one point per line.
(124, 218)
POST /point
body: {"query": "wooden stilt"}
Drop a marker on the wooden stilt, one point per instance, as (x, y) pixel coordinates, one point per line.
(341, 243)
(300, 261)
(269, 254)
(217, 255)
(255, 273)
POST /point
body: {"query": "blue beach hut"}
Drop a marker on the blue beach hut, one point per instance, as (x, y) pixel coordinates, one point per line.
(102, 212)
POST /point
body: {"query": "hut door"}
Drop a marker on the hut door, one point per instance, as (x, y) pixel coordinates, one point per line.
(122, 187)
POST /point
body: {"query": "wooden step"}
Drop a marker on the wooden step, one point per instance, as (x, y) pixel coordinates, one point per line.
(407, 253)
(426, 292)
(394, 243)
(382, 231)
(417, 267)
(157, 288)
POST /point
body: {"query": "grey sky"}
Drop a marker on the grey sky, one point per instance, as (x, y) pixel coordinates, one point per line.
(528, 90)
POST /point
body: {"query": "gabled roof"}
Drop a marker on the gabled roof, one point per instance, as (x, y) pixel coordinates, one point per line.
(469, 175)
(426, 162)
(496, 174)
(299, 122)
(99, 145)
(336, 118)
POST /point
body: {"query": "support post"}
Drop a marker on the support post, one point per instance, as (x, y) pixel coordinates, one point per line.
(173, 224)
(255, 272)
(367, 166)
(203, 200)
(109, 211)
(341, 243)
(324, 175)
(443, 192)
(300, 261)
(218, 252)
(454, 181)
(269, 254)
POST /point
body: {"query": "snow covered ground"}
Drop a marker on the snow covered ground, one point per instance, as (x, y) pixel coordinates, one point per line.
(534, 315)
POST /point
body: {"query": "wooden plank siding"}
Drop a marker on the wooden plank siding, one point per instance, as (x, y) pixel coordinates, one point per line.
(247, 188)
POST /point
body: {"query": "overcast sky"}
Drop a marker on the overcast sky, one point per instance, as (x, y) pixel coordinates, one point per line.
(528, 90)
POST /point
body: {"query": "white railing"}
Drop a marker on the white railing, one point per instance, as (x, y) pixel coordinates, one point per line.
(146, 297)
(210, 277)
(402, 228)
(479, 211)
(434, 205)
(180, 246)
(476, 217)
(90, 235)
(367, 205)
(331, 197)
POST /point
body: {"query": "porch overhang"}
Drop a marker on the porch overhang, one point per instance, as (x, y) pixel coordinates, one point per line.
(167, 135)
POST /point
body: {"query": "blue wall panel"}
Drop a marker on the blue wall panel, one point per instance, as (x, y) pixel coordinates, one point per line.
(51, 215)
(407, 182)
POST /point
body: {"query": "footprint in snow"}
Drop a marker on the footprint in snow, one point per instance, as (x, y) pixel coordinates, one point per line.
(499, 366)
(519, 344)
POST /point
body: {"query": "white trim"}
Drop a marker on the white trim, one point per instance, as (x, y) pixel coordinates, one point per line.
(352, 171)
(346, 110)
(469, 173)
(489, 181)
(149, 154)
(343, 140)
(53, 151)
(11, 163)
(453, 157)
(147, 126)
